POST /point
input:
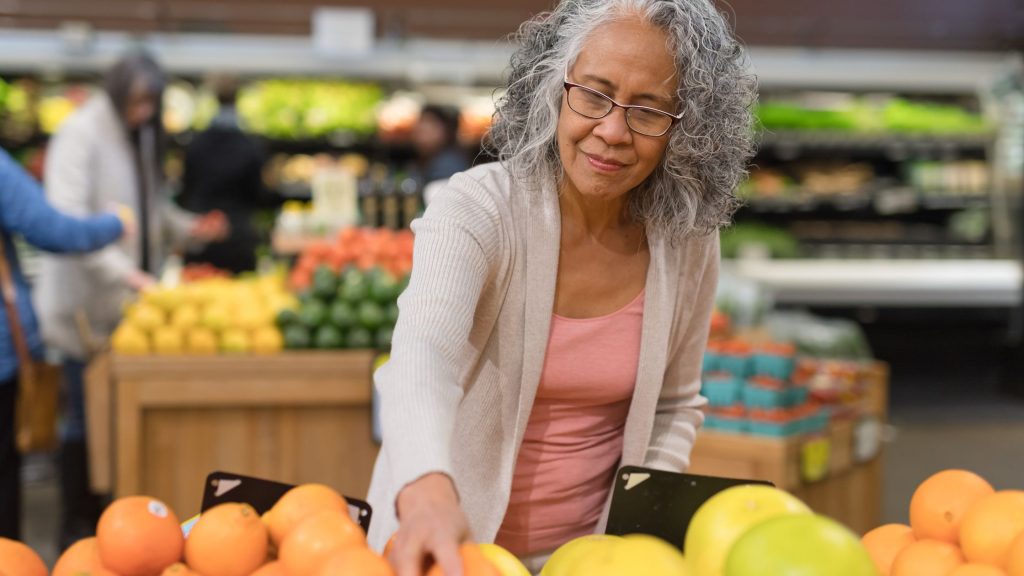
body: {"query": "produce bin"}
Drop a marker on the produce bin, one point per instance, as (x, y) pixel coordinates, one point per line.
(159, 424)
(850, 488)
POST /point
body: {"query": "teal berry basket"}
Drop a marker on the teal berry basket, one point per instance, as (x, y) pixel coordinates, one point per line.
(721, 390)
(739, 366)
(726, 424)
(774, 366)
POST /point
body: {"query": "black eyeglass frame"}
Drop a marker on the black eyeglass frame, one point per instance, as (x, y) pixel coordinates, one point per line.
(567, 86)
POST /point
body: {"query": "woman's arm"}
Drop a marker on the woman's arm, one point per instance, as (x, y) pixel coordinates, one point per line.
(679, 414)
(25, 210)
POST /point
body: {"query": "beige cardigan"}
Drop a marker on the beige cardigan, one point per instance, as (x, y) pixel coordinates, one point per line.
(471, 337)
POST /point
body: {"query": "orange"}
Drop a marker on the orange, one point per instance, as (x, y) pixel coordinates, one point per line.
(940, 502)
(299, 503)
(976, 570)
(228, 540)
(139, 536)
(20, 560)
(315, 538)
(927, 558)
(1015, 559)
(885, 542)
(361, 561)
(990, 527)
(389, 545)
(270, 569)
(474, 563)
(82, 556)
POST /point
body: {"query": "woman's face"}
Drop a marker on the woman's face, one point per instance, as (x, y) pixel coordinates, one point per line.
(141, 105)
(629, 61)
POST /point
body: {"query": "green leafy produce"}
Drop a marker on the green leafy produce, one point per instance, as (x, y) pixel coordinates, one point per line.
(297, 109)
(780, 244)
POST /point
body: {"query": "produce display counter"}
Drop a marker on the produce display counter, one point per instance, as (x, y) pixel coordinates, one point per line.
(159, 425)
(902, 283)
(845, 487)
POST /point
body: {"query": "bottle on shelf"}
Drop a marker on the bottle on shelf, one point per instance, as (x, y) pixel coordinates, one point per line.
(412, 204)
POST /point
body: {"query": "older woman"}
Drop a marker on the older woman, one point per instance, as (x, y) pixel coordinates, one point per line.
(110, 150)
(555, 322)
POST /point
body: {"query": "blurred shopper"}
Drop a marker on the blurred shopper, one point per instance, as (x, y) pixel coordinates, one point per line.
(110, 150)
(436, 139)
(223, 171)
(25, 211)
(560, 299)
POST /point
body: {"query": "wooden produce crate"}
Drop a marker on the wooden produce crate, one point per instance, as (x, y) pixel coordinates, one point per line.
(851, 492)
(159, 425)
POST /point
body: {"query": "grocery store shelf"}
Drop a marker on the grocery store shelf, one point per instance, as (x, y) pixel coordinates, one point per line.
(418, 60)
(885, 142)
(796, 201)
(902, 283)
(480, 62)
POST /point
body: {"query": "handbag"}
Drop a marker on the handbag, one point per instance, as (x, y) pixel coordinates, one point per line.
(38, 382)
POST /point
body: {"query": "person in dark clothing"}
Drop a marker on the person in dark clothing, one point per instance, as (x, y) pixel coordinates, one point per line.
(25, 211)
(223, 171)
(436, 138)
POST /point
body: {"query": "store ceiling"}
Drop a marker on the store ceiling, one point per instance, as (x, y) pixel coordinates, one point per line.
(901, 24)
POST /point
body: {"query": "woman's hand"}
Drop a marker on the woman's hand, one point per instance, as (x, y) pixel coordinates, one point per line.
(211, 227)
(432, 526)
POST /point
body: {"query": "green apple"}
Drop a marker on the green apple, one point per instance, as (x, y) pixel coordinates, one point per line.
(505, 561)
(721, 521)
(798, 545)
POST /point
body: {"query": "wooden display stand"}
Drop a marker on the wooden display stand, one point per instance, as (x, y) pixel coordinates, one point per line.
(159, 425)
(851, 492)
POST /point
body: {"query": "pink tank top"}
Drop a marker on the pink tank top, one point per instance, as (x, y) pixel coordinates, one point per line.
(573, 440)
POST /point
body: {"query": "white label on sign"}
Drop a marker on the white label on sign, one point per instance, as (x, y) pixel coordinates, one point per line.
(225, 486)
(636, 479)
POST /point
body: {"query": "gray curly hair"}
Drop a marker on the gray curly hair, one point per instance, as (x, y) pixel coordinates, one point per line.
(692, 189)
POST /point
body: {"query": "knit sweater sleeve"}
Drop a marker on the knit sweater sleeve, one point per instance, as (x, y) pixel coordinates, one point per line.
(457, 248)
(680, 406)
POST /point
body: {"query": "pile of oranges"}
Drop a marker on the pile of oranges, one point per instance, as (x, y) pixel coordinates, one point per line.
(959, 526)
(308, 532)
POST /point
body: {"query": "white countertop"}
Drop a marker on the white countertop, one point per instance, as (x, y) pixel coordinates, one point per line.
(972, 283)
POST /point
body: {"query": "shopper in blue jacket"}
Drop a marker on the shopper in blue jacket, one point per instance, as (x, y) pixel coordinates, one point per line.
(24, 211)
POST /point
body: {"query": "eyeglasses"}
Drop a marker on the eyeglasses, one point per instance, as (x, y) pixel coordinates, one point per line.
(592, 104)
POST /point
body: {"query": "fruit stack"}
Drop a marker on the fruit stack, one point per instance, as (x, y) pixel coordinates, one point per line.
(354, 309)
(959, 526)
(750, 388)
(308, 532)
(205, 317)
(364, 248)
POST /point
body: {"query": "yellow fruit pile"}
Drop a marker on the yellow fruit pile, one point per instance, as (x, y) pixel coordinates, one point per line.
(205, 317)
(959, 526)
